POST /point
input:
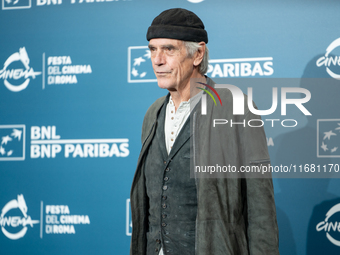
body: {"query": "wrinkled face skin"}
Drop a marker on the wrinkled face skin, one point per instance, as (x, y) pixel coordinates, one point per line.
(172, 67)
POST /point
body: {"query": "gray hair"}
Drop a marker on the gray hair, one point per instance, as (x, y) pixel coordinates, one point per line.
(191, 48)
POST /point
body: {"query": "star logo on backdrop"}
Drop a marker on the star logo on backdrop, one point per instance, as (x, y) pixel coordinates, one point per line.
(5, 139)
(16, 134)
(328, 137)
(324, 146)
(334, 149)
(12, 144)
(137, 62)
(2, 151)
(139, 65)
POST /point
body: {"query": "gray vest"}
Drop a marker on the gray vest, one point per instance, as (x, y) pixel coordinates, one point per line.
(171, 192)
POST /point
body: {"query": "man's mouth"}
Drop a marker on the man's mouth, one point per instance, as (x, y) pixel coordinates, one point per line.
(162, 73)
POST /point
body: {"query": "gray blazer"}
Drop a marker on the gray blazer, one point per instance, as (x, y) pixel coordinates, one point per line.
(235, 216)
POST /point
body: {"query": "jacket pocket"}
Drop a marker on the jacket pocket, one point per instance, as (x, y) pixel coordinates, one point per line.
(259, 169)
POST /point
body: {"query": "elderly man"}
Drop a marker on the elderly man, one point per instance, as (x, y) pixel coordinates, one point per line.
(171, 212)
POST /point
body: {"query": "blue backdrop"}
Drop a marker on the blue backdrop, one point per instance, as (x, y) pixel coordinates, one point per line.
(76, 81)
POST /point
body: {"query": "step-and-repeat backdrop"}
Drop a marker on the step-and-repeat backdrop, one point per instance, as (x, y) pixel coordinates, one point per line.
(76, 80)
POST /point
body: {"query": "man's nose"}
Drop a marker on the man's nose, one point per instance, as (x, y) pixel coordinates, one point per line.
(158, 58)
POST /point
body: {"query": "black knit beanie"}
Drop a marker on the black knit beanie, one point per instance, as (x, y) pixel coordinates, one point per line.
(178, 24)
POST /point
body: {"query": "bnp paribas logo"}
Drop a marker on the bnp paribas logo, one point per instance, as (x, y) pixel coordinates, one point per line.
(139, 65)
(12, 142)
(328, 138)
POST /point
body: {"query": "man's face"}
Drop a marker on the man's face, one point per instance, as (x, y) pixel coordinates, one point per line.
(172, 66)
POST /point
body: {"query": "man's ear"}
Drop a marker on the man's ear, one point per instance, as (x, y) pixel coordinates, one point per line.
(199, 54)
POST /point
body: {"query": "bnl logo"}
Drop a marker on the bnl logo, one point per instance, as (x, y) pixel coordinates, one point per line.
(328, 138)
(16, 4)
(139, 65)
(12, 142)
